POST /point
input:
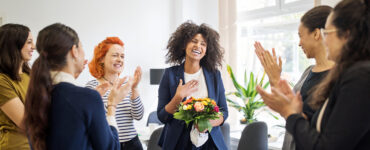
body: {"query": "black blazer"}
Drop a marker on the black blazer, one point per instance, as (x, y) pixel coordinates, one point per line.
(346, 120)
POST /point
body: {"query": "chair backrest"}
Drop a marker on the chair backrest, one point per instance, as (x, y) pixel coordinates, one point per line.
(254, 137)
(153, 118)
(225, 128)
(153, 140)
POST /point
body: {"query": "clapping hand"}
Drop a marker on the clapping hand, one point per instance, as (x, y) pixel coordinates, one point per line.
(270, 63)
(282, 99)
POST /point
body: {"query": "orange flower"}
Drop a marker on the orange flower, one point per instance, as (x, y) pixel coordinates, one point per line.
(188, 101)
(198, 106)
(214, 103)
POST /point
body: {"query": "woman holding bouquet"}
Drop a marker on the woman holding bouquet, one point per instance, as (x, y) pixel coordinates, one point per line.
(196, 54)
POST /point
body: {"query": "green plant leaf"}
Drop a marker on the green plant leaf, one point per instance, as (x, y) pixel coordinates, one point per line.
(266, 85)
(238, 87)
(234, 104)
(273, 115)
(250, 84)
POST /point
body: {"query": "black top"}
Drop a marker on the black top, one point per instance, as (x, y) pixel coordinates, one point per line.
(346, 120)
(313, 79)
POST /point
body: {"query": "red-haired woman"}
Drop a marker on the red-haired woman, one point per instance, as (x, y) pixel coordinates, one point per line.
(106, 66)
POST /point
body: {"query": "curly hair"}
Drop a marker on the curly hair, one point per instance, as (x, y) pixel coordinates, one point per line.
(95, 66)
(184, 34)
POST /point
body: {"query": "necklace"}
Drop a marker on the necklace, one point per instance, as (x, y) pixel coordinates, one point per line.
(111, 83)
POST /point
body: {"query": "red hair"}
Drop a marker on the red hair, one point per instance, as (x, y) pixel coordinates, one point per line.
(95, 66)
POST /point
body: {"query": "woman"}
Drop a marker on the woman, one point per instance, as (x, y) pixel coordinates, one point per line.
(106, 66)
(16, 47)
(312, 44)
(196, 53)
(343, 118)
(59, 114)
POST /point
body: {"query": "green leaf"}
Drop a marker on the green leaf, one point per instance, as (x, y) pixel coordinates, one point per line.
(273, 115)
(234, 104)
(236, 84)
(204, 124)
(251, 78)
(266, 85)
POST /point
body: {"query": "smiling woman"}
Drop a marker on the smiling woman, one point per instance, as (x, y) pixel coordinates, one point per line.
(195, 52)
(16, 47)
(106, 66)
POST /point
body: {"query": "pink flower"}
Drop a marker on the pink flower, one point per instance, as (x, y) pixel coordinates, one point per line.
(198, 106)
(216, 109)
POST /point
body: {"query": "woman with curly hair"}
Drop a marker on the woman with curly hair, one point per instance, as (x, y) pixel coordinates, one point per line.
(106, 66)
(196, 54)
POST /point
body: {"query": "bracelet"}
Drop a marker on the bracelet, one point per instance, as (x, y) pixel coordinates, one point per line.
(113, 106)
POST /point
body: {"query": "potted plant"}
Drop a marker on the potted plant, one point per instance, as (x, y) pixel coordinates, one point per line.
(248, 94)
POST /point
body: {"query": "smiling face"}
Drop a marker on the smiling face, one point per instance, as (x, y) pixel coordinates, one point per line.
(307, 40)
(114, 60)
(28, 48)
(196, 49)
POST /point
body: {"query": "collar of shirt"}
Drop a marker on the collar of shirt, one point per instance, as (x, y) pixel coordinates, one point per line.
(59, 76)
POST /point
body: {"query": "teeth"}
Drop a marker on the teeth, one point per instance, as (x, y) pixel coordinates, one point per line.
(117, 65)
(196, 51)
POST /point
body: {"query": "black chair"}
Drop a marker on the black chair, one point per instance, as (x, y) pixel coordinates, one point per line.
(254, 137)
(153, 118)
(153, 140)
(225, 128)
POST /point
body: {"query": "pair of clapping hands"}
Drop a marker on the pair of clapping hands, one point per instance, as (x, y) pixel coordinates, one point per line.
(282, 99)
(118, 91)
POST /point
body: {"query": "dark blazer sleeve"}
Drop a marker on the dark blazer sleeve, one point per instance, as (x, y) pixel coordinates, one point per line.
(102, 135)
(164, 97)
(348, 120)
(222, 98)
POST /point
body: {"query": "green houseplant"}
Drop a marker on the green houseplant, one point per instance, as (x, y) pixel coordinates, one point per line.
(248, 94)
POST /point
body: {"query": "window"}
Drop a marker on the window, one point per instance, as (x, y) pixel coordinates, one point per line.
(275, 24)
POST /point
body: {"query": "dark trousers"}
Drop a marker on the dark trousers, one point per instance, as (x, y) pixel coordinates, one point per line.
(133, 144)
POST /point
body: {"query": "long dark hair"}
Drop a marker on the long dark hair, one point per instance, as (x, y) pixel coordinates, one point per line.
(351, 18)
(184, 34)
(12, 39)
(316, 17)
(53, 44)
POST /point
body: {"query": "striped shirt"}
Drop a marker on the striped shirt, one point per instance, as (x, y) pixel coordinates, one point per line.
(126, 112)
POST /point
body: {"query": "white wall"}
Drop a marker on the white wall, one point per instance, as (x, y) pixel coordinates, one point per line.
(143, 25)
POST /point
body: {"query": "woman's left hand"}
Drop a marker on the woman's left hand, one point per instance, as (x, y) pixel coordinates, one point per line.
(282, 99)
(217, 122)
(137, 78)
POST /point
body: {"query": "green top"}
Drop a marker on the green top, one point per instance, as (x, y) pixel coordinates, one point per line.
(10, 135)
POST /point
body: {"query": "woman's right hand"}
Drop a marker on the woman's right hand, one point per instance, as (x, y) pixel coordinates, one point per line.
(119, 92)
(186, 90)
(269, 63)
(182, 91)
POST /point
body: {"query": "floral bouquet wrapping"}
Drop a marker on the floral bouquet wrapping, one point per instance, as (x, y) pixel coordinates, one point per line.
(199, 110)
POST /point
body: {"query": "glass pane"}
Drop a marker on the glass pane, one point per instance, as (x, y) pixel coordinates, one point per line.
(246, 5)
(289, 1)
(279, 32)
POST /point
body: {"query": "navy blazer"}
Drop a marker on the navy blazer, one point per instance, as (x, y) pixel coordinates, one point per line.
(167, 89)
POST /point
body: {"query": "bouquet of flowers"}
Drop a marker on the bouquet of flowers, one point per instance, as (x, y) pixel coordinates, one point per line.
(199, 110)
